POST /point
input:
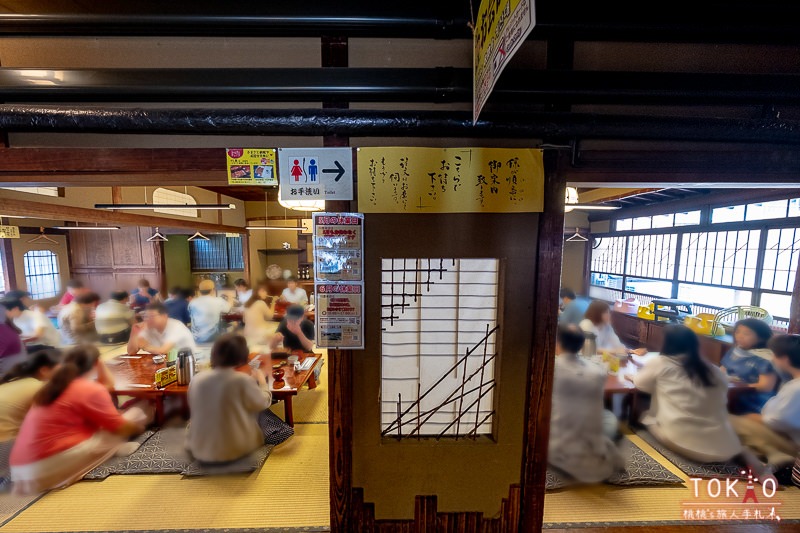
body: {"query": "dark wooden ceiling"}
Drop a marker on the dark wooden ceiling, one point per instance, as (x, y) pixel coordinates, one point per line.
(247, 193)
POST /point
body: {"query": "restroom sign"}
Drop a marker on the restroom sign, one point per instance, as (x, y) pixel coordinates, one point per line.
(315, 173)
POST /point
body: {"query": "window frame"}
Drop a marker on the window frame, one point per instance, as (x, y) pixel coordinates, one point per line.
(54, 273)
(226, 248)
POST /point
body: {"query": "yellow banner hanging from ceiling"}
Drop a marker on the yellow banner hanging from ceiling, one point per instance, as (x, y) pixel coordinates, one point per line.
(450, 180)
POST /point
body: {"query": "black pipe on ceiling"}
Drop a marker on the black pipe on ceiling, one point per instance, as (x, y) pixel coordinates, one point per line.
(392, 85)
(365, 123)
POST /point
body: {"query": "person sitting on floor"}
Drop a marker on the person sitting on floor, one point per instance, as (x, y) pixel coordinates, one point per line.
(74, 288)
(72, 426)
(579, 425)
(775, 433)
(226, 404)
(159, 333)
(206, 312)
(294, 294)
(258, 315)
(573, 307)
(113, 319)
(750, 361)
(243, 292)
(18, 387)
(598, 323)
(12, 349)
(295, 331)
(36, 330)
(143, 295)
(688, 412)
(178, 305)
(76, 320)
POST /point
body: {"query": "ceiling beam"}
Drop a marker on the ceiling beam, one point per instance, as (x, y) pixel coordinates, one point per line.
(48, 211)
(369, 123)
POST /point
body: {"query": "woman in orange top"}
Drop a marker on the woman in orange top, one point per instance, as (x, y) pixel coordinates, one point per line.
(72, 426)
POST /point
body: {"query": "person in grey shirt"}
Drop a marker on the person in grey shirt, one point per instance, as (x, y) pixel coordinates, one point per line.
(113, 319)
(573, 308)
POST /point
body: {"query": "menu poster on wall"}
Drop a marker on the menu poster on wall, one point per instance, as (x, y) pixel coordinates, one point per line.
(450, 180)
(339, 289)
(251, 166)
(340, 315)
(338, 246)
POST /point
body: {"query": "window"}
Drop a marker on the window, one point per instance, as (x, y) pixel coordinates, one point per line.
(609, 255)
(650, 287)
(438, 346)
(218, 254)
(794, 207)
(687, 218)
(720, 258)
(642, 223)
(719, 297)
(663, 221)
(780, 259)
(652, 256)
(766, 210)
(44, 191)
(42, 274)
(167, 196)
(625, 224)
(733, 213)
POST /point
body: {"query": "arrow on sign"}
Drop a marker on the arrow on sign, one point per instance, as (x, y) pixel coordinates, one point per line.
(339, 170)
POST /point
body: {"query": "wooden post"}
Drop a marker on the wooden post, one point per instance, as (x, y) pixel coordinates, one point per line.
(550, 243)
(340, 390)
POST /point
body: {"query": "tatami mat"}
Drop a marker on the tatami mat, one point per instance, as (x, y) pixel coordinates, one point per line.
(290, 491)
(598, 504)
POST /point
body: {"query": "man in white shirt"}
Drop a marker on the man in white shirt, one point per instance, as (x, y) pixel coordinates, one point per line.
(113, 319)
(293, 294)
(159, 333)
(35, 328)
(205, 312)
(775, 433)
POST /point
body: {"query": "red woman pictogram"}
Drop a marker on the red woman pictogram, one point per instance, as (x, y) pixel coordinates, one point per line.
(296, 170)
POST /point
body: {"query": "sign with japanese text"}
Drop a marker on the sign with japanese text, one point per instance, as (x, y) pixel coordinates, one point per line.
(338, 240)
(251, 166)
(450, 180)
(316, 173)
(9, 232)
(500, 29)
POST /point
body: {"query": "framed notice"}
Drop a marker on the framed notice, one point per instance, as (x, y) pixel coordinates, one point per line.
(340, 315)
(251, 166)
(339, 279)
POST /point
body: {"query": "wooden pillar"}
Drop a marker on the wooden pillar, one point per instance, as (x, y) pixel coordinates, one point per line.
(340, 389)
(116, 195)
(549, 245)
(794, 313)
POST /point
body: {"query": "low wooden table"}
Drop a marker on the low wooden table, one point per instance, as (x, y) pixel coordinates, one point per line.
(134, 375)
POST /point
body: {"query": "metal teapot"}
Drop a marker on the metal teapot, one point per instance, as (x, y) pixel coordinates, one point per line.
(590, 346)
(184, 367)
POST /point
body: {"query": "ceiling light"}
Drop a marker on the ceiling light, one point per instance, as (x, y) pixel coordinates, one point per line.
(165, 206)
(85, 227)
(303, 205)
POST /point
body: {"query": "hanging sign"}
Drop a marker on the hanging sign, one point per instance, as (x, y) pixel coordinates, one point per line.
(450, 180)
(316, 173)
(500, 29)
(9, 232)
(339, 279)
(251, 166)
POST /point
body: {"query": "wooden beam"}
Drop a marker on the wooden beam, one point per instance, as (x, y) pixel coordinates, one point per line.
(88, 160)
(80, 214)
(111, 178)
(609, 194)
(549, 245)
(116, 195)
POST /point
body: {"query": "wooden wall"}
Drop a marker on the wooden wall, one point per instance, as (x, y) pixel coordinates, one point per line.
(115, 259)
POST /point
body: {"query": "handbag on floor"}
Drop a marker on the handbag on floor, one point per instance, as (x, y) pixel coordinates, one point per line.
(275, 430)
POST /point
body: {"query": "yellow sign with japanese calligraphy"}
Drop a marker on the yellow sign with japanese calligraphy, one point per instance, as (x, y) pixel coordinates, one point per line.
(251, 166)
(450, 180)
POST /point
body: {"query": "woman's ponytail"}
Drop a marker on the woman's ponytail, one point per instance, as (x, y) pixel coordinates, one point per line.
(77, 362)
